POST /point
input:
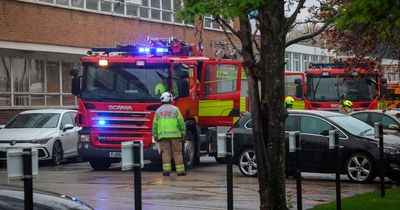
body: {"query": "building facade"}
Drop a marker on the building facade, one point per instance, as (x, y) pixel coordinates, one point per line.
(42, 40)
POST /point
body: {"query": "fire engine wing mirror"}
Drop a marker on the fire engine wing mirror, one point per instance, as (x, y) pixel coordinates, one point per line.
(184, 74)
(75, 85)
(383, 87)
(74, 72)
(299, 88)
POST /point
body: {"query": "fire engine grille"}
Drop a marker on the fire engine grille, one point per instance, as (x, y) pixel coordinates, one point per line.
(122, 119)
(116, 138)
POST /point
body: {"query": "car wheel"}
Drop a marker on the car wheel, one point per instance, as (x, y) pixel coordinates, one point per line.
(100, 164)
(189, 151)
(247, 162)
(58, 153)
(359, 168)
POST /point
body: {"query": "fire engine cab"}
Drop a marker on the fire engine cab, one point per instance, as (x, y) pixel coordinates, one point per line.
(119, 91)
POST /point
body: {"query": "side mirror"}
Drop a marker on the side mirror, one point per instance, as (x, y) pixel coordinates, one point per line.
(184, 74)
(299, 88)
(325, 133)
(394, 127)
(75, 85)
(67, 127)
(383, 87)
(183, 88)
(297, 81)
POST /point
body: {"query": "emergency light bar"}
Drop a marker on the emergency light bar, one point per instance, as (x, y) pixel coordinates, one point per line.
(338, 65)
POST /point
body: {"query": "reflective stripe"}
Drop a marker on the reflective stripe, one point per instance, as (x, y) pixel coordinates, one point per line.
(215, 108)
(168, 132)
(166, 167)
(243, 104)
(180, 168)
(298, 104)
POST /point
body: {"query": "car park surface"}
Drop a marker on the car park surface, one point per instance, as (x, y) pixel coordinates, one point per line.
(390, 119)
(53, 132)
(359, 155)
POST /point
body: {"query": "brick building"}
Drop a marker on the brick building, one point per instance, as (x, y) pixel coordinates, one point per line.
(41, 40)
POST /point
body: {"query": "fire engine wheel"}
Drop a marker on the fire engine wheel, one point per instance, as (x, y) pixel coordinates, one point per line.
(189, 154)
(100, 164)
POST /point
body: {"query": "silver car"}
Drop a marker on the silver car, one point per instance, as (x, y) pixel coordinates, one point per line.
(390, 119)
(53, 132)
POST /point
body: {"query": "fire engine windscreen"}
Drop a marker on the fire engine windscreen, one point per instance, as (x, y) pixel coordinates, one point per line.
(126, 83)
(329, 89)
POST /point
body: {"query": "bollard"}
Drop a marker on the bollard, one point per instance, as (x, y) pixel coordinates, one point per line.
(28, 186)
(137, 171)
(229, 171)
(379, 134)
(295, 146)
(334, 144)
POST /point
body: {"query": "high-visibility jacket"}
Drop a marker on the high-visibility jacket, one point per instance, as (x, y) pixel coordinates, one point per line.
(168, 123)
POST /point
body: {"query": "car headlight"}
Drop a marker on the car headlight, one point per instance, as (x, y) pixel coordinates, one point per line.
(85, 138)
(391, 150)
(41, 141)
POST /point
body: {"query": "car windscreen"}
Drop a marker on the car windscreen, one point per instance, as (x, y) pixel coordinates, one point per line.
(127, 83)
(34, 120)
(353, 125)
(324, 89)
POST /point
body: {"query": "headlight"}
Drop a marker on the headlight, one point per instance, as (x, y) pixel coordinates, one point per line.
(41, 141)
(391, 150)
(84, 138)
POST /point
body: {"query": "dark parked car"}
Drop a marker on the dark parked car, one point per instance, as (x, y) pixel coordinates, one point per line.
(360, 153)
(389, 119)
(12, 198)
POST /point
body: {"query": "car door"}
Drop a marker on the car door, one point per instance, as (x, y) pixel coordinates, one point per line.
(315, 144)
(389, 125)
(68, 137)
(291, 124)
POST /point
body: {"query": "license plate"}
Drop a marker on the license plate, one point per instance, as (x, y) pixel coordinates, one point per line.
(4, 149)
(115, 154)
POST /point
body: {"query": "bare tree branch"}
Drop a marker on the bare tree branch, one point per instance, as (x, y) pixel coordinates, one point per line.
(308, 36)
(223, 24)
(293, 17)
(256, 44)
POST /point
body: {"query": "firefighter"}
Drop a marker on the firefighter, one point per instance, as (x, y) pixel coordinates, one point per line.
(159, 88)
(289, 101)
(346, 106)
(169, 130)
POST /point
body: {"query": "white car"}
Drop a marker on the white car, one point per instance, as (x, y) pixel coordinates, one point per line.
(53, 132)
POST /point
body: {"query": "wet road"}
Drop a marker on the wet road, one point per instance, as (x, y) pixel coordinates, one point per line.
(203, 188)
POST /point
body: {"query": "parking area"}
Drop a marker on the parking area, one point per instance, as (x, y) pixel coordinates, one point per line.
(203, 188)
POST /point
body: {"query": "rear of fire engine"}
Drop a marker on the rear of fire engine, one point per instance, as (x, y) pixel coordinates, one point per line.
(326, 83)
(119, 92)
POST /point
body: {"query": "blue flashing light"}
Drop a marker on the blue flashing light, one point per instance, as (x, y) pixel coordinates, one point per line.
(161, 50)
(141, 49)
(102, 122)
(146, 50)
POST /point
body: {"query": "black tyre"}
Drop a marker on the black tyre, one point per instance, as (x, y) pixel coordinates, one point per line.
(100, 164)
(360, 168)
(247, 162)
(189, 150)
(58, 153)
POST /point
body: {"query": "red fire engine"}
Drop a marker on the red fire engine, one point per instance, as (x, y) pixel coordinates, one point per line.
(327, 82)
(119, 92)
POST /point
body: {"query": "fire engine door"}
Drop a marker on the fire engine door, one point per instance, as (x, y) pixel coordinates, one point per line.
(184, 88)
(219, 103)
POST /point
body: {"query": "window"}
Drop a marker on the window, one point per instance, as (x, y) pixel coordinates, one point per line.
(37, 82)
(305, 62)
(77, 3)
(92, 4)
(5, 74)
(106, 6)
(361, 116)
(290, 123)
(220, 79)
(296, 62)
(47, 1)
(386, 121)
(63, 2)
(312, 125)
(211, 24)
(287, 62)
(66, 119)
(73, 116)
(132, 9)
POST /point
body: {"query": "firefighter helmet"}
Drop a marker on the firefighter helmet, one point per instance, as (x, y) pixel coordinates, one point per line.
(166, 97)
(347, 103)
(289, 101)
